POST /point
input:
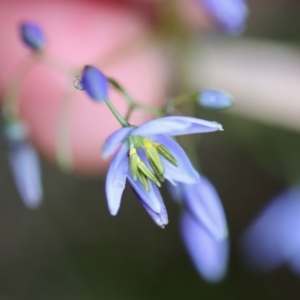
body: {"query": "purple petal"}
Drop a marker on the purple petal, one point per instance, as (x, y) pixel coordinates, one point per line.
(273, 238)
(161, 219)
(294, 262)
(209, 256)
(25, 167)
(230, 15)
(114, 139)
(175, 125)
(116, 179)
(203, 202)
(152, 198)
(185, 171)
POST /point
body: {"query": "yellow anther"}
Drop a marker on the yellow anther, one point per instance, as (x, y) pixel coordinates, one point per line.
(132, 151)
(148, 144)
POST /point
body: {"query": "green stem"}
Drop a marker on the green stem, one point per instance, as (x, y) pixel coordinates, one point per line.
(11, 97)
(133, 104)
(118, 116)
(180, 100)
(122, 91)
(55, 63)
(64, 155)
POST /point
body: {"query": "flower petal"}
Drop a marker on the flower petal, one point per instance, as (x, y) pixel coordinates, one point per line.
(114, 139)
(230, 15)
(161, 219)
(203, 202)
(152, 198)
(209, 256)
(174, 125)
(273, 238)
(185, 171)
(25, 167)
(116, 179)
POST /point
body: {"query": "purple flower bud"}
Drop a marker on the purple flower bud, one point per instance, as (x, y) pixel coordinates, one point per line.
(214, 99)
(230, 15)
(24, 164)
(210, 256)
(25, 167)
(95, 83)
(273, 239)
(33, 36)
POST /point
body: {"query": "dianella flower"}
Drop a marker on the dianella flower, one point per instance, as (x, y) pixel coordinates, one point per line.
(24, 164)
(230, 15)
(32, 36)
(273, 239)
(204, 228)
(148, 156)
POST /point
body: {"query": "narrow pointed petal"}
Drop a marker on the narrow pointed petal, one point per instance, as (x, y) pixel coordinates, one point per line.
(203, 202)
(150, 198)
(210, 257)
(185, 171)
(273, 238)
(161, 219)
(175, 125)
(230, 15)
(116, 179)
(25, 167)
(114, 139)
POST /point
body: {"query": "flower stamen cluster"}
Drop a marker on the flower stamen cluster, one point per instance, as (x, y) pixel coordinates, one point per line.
(152, 169)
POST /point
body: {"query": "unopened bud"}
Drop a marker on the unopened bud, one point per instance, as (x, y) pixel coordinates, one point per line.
(33, 36)
(95, 83)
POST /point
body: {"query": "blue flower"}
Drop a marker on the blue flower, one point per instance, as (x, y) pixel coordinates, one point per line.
(94, 83)
(147, 157)
(24, 164)
(214, 99)
(230, 15)
(273, 238)
(33, 36)
(204, 228)
(210, 256)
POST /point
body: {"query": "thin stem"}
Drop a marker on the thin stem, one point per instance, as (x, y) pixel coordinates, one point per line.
(129, 112)
(55, 63)
(180, 100)
(118, 116)
(12, 93)
(133, 104)
(63, 130)
(158, 112)
(121, 90)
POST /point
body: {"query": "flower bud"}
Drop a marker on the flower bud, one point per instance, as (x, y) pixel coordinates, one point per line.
(95, 83)
(214, 99)
(33, 36)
